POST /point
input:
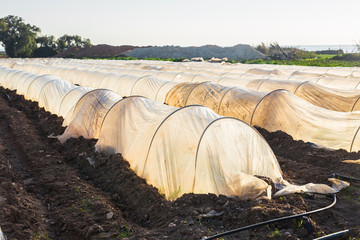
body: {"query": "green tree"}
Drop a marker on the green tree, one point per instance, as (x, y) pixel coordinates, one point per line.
(47, 46)
(17, 37)
(262, 48)
(67, 41)
(47, 41)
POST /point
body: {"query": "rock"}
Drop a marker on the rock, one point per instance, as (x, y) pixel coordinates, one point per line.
(2, 200)
(210, 214)
(95, 229)
(172, 225)
(28, 181)
(109, 215)
(91, 161)
(197, 59)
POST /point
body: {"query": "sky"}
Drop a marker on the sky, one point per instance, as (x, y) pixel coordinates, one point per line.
(194, 22)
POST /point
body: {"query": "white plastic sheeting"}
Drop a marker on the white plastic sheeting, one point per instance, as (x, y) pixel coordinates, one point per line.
(277, 110)
(242, 103)
(329, 76)
(172, 148)
(88, 114)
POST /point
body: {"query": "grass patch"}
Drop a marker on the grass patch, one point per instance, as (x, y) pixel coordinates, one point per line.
(301, 59)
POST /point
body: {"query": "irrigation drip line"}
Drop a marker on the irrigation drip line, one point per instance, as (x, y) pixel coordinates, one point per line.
(336, 175)
(273, 221)
(334, 235)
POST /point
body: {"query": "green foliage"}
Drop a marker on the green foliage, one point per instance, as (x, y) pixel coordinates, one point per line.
(22, 40)
(300, 222)
(39, 236)
(67, 41)
(275, 234)
(262, 48)
(44, 52)
(275, 52)
(124, 232)
(319, 62)
(17, 37)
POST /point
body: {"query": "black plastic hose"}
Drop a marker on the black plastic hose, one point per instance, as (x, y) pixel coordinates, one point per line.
(336, 175)
(272, 221)
(334, 235)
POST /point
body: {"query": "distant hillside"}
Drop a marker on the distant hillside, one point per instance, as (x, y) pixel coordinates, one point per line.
(101, 50)
(237, 52)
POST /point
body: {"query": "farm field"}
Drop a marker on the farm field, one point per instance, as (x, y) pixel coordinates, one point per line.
(51, 190)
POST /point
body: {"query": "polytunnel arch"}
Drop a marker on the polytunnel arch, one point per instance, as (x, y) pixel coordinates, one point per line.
(202, 136)
(150, 86)
(124, 84)
(261, 83)
(18, 78)
(301, 84)
(171, 84)
(192, 89)
(235, 159)
(355, 140)
(223, 96)
(95, 78)
(88, 114)
(139, 79)
(65, 96)
(356, 87)
(109, 76)
(266, 96)
(8, 75)
(92, 91)
(161, 123)
(52, 94)
(115, 104)
(355, 104)
(40, 92)
(43, 80)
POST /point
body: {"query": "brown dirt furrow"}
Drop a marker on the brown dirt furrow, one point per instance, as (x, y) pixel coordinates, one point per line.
(61, 205)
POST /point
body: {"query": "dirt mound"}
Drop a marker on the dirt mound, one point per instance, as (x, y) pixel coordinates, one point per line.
(238, 52)
(54, 191)
(101, 50)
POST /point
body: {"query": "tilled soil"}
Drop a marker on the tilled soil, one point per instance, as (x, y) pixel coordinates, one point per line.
(54, 191)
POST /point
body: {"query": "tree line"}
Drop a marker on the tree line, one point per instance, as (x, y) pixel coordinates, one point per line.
(24, 40)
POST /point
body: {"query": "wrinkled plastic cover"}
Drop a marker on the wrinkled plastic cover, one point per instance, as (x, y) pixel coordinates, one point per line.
(52, 94)
(278, 110)
(173, 149)
(89, 113)
(35, 87)
(281, 110)
(69, 101)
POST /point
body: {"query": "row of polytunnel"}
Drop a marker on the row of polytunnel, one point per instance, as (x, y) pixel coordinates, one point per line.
(305, 110)
(172, 148)
(201, 139)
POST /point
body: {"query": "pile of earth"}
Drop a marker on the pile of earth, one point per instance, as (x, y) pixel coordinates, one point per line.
(54, 191)
(237, 52)
(101, 51)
